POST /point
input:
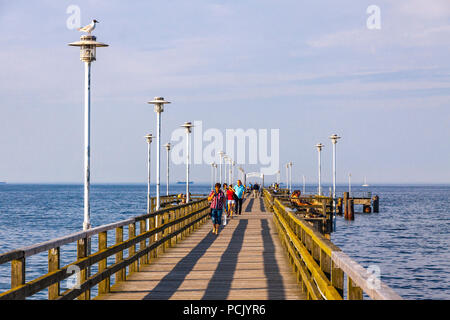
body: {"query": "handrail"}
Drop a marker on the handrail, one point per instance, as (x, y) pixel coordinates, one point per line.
(44, 246)
(319, 264)
(176, 223)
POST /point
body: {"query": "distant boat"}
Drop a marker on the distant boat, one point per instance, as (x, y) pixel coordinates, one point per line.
(184, 182)
(365, 183)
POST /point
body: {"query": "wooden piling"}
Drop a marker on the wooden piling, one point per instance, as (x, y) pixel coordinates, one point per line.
(376, 204)
(350, 210)
(346, 196)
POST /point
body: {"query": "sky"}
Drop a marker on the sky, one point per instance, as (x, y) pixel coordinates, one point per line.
(307, 68)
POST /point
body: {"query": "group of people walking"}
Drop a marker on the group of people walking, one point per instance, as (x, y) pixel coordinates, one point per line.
(227, 200)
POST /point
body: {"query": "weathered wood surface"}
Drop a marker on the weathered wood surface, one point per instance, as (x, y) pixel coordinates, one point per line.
(244, 262)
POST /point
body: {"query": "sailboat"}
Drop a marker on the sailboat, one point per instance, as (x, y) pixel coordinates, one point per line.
(365, 183)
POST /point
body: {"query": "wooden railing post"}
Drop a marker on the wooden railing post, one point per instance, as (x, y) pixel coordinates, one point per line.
(134, 267)
(337, 278)
(82, 252)
(18, 273)
(353, 292)
(121, 275)
(142, 244)
(103, 286)
(53, 265)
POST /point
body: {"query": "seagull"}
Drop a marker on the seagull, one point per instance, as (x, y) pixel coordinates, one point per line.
(89, 28)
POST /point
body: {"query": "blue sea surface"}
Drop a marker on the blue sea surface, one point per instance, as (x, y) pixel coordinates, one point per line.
(408, 240)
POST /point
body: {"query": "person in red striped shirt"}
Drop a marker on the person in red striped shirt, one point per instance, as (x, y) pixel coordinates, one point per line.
(217, 199)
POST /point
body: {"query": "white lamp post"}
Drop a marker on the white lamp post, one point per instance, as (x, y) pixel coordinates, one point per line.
(290, 177)
(188, 126)
(287, 176)
(88, 45)
(349, 184)
(334, 138)
(212, 175)
(215, 174)
(304, 184)
(149, 139)
(319, 147)
(221, 155)
(232, 171)
(168, 146)
(159, 103)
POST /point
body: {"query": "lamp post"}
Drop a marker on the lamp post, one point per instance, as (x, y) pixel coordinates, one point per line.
(334, 138)
(290, 177)
(349, 184)
(232, 172)
(88, 46)
(188, 126)
(221, 155)
(319, 147)
(149, 139)
(287, 176)
(304, 184)
(159, 103)
(212, 175)
(168, 146)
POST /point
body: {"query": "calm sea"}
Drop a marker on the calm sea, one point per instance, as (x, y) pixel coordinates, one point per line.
(408, 240)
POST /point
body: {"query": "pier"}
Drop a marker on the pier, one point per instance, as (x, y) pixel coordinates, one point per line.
(269, 252)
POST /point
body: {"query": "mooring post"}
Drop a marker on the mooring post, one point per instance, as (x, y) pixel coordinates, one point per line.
(376, 204)
(350, 210)
(346, 196)
(339, 206)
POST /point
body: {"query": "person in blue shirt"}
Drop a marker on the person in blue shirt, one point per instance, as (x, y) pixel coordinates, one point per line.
(239, 189)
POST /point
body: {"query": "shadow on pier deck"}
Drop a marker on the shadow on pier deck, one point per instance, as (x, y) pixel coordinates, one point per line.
(244, 262)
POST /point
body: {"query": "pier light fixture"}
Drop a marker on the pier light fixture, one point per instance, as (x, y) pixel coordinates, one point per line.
(159, 103)
(88, 48)
(319, 147)
(212, 175)
(287, 176)
(188, 126)
(232, 171)
(149, 139)
(168, 146)
(334, 138)
(221, 155)
(290, 176)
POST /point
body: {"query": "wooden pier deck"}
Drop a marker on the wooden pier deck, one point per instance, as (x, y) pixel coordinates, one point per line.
(246, 261)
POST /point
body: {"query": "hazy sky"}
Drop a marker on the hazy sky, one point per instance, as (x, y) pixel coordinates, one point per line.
(308, 68)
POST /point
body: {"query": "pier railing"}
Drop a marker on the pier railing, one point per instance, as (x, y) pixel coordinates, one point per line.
(175, 223)
(319, 265)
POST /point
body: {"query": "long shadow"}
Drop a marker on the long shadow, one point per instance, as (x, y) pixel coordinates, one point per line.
(173, 280)
(250, 205)
(271, 270)
(261, 203)
(220, 284)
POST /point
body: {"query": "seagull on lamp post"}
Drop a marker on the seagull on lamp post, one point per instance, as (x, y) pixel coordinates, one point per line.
(89, 28)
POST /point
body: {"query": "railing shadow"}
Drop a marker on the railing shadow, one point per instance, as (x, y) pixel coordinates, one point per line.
(220, 284)
(250, 205)
(173, 280)
(271, 270)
